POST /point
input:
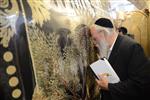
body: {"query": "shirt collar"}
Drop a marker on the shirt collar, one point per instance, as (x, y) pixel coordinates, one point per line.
(110, 49)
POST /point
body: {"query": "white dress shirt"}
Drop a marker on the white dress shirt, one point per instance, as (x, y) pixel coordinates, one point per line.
(110, 49)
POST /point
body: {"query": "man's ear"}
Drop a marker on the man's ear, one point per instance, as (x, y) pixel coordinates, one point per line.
(92, 29)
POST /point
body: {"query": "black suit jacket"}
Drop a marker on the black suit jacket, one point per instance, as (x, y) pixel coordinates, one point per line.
(133, 68)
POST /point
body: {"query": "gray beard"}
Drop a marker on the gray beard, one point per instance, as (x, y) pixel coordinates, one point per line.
(103, 48)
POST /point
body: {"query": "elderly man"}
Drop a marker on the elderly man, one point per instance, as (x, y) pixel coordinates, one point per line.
(127, 59)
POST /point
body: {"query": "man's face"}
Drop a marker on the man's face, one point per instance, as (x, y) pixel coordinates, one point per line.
(97, 36)
(120, 33)
(99, 40)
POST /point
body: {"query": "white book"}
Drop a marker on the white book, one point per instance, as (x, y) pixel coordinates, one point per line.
(103, 66)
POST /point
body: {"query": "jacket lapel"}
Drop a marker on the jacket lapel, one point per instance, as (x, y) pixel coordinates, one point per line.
(115, 50)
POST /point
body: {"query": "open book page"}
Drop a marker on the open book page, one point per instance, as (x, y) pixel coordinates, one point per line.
(103, 66)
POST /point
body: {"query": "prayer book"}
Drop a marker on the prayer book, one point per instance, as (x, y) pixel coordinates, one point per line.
(102, 66)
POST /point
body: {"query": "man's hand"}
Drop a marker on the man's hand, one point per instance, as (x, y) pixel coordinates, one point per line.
(103, 81)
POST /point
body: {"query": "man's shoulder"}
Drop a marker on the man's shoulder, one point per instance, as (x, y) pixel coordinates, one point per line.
(127, 44)
(127, 40)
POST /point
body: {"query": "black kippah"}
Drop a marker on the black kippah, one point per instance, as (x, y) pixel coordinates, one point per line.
(104, 22)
